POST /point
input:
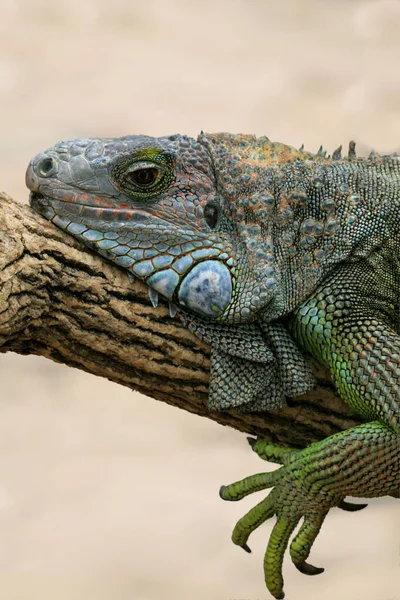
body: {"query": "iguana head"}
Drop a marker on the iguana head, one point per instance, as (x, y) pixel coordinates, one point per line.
(232, 227)
(156, 206)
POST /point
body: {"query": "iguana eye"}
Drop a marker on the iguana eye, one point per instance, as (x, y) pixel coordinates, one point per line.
(144, 176)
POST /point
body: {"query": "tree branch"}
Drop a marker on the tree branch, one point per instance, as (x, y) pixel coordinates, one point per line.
(60, 300)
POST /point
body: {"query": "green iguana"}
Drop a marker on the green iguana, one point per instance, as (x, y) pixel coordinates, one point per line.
(263, 251)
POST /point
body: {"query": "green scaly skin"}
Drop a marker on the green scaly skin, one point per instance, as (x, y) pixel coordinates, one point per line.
(265, 252)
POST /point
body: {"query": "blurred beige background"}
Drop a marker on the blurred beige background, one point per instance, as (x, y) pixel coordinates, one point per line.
(105, 493)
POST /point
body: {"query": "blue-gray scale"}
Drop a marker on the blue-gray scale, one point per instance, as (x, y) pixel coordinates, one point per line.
(207, 289)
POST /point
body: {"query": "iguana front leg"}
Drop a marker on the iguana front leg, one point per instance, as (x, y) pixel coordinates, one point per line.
(363, 353)
(361, 462)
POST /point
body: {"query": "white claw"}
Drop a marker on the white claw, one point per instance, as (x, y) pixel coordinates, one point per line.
(153, 295)
(131, 277)
(172, 310)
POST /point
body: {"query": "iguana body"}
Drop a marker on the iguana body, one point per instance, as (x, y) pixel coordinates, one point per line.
(264, 250)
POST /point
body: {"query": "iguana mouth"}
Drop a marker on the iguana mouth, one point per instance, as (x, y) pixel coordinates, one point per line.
(41, 204)
(45, 204)
(35, 198)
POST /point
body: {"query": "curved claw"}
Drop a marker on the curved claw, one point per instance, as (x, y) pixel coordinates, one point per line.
(351, 506)
(308, 569)
(302, 544)
(251, 441)
(246, 548)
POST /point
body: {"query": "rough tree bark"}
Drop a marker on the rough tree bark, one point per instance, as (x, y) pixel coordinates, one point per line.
(60, 300)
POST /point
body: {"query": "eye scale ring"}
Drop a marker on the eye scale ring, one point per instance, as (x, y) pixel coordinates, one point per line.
(144, 175)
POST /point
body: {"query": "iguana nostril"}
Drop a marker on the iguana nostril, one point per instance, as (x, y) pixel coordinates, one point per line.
(46, 167)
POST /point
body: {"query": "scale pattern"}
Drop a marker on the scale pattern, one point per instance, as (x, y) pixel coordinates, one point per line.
(267, 253)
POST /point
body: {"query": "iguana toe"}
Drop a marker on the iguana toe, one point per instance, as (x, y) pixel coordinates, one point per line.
(249, 485)
(271, 452)
(260, 513)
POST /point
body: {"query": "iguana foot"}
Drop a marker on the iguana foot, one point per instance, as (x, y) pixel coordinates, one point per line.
(290, 500)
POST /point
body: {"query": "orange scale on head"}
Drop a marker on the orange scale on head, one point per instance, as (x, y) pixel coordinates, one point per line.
(85, 197)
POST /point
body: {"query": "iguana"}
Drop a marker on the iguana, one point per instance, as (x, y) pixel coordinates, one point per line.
(265, 252)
